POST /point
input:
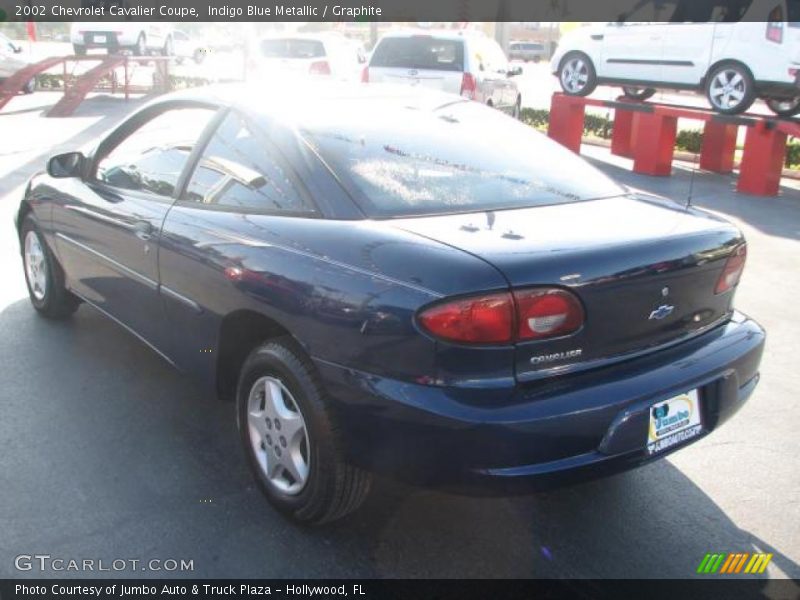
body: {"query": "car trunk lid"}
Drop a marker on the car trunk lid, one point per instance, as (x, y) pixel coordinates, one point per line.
(645, 271)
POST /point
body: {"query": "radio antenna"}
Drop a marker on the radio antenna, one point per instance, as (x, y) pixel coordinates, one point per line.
(691, 181)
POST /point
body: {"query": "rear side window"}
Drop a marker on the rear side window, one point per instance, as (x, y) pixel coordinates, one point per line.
(152, 157)
(292, 48)
(471, 158)
(240, 168)
(419, 52)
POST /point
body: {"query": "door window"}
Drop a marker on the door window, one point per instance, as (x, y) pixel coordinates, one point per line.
(241, 168)
(152, 157)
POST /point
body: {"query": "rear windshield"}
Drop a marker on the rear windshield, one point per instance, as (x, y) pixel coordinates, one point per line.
(419, 52)
(292, 48)
(470, 158)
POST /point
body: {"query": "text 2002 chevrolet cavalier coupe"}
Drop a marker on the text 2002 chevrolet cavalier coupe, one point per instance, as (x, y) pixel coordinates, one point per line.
(398, 282)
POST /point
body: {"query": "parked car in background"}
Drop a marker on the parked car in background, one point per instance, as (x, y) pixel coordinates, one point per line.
(405, 282)
(11, 61)
(139, 38)
(527, 51)
(738, 56)
(328, 55)
(459, 62)
(185, 46)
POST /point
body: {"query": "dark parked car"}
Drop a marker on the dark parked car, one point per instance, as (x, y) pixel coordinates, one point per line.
(398, 281)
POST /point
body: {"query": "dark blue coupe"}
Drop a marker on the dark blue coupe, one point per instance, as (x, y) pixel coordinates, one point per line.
(398, 282)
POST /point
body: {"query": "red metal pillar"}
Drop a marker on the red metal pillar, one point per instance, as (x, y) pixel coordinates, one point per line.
(566, 121)
(719, 146)
(762, 160)
(622, 134)
(653, 142)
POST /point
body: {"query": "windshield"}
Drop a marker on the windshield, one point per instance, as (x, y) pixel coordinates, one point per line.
(470, 158)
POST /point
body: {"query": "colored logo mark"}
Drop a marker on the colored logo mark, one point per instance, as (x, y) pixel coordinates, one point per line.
(734, 562)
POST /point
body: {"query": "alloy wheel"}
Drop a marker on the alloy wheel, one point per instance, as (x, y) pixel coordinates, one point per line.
(575, 75)
(728, 89)
(278, 435)
(35, 266)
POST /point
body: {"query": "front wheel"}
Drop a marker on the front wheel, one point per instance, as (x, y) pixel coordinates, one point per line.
(44, 275)
(290, 438)
(786, 107)
(730, 88)
(577, 75)
(638, 93)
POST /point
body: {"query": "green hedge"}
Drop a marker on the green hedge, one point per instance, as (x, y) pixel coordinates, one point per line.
(687, 140)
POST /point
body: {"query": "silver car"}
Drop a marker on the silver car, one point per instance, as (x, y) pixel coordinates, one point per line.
(462, 62)
(527, 51)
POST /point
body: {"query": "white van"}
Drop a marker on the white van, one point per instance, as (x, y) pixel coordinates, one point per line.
(738, 55)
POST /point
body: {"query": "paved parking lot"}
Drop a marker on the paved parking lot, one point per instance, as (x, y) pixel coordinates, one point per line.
(107, 453)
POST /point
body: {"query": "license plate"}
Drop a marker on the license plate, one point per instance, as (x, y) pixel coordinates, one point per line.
(99, 39)
(673, 422)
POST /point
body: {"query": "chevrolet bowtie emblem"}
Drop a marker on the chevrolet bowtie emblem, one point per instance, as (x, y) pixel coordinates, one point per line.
(662, 312)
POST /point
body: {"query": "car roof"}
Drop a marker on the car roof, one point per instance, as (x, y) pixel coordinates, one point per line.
(444, 34)
(304, 95)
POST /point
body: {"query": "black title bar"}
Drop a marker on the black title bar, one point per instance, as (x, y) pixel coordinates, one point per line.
(413, 11)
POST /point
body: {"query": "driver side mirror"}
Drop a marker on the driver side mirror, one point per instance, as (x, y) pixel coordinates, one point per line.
(17, 48)
(69, 164)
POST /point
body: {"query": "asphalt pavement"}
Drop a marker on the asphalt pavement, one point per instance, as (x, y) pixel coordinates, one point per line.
(107, 453)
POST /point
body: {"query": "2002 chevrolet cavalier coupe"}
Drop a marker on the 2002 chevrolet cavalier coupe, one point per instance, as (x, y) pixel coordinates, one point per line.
(398, 281)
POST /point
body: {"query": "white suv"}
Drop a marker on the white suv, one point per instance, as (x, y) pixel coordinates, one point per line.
(663, 44)
(460, 62)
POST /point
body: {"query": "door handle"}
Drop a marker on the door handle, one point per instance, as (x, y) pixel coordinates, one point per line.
(143, 230)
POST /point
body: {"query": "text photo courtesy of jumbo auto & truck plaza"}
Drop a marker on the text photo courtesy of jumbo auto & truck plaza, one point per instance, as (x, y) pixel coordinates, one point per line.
(393, 299)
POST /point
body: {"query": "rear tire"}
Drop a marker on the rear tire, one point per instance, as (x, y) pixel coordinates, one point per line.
(303, 475)
(784, 107)
(576, 74)
(730, 88)
(638, 93)
(43, 274)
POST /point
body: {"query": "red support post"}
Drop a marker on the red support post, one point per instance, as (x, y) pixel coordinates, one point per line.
(566, 121)
(719, 146)
(622, 133)
(653, 142)
(762, 160)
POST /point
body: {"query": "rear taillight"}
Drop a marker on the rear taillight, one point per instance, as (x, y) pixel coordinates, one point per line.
(319, 67)
(469, 86)
(365, 75)
(545, 313)
(485, 319)
(733, 270)
(503, 318)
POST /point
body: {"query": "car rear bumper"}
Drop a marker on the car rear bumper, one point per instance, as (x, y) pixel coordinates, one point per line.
(549, 433)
